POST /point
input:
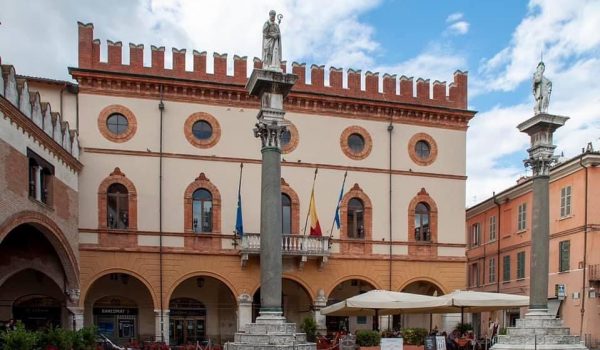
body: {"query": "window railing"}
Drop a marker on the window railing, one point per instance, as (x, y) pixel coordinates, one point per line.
(290, 244)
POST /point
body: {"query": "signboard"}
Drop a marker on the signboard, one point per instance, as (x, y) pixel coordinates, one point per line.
(392, 344)
(115, 311)
(440, 342)
(430, 342)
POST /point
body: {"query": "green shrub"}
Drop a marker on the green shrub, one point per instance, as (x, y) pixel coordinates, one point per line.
(367, 338)
(309, 326)
(58, 337)
(19, 339)
(464, 327)
(414, 336)
(85, 339)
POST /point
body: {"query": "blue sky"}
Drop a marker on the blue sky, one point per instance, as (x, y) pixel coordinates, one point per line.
(498, 41)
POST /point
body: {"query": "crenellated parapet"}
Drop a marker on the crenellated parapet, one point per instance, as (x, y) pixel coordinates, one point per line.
(27, 110)
(400, 90)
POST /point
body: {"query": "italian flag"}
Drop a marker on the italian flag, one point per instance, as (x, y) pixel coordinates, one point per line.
(315, 228)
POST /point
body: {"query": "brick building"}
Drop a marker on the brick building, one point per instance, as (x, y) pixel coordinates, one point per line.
(39, 238)
(499, 242)
(162, 148)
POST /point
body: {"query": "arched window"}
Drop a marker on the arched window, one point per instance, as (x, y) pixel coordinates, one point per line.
(202, 211)
(286, 214)
(117, 207)
(422, 227)
(356, 219)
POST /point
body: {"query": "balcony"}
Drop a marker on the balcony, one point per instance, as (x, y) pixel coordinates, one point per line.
(304, 247)
(594, 272)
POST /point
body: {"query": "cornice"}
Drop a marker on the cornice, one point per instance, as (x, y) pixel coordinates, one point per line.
(27, 125)
(234, 94)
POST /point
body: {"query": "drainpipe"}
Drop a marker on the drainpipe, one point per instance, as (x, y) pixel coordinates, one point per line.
(161, 107)
(497, 244)
(390, 128)
(585, 237)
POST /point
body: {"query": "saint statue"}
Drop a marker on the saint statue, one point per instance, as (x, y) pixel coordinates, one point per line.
(271, 47)
(542, 88)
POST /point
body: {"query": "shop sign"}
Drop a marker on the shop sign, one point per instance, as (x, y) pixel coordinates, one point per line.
(115, 311)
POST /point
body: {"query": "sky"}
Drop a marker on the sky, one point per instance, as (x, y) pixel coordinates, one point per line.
(499, 42)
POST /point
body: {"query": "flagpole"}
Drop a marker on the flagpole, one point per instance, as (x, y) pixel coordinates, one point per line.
(312, 193)
(240, 182)
(337, 207)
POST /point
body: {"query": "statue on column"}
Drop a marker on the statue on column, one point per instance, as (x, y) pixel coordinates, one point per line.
(271, 47)
(542, 88)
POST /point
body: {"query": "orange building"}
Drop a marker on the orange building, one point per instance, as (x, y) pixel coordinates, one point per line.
(161, 150)
(499, 241)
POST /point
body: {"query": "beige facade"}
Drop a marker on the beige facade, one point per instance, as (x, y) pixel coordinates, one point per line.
(147, 273)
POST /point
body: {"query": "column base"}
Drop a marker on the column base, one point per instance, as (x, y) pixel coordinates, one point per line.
(271, 331)
(538, 330)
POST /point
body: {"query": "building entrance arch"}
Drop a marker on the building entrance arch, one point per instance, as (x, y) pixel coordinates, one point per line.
(427, 321)
(342, 291)
(202, 308)
(296, 301)
(121, 306)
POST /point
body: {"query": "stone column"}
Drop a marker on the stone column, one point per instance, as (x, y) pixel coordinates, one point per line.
(271, 86)
(161, 331)
(244, 311)
(320, 303)
(540, 128)
(76, 317)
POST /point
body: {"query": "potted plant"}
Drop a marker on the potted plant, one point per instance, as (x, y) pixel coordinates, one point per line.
(414, 338)
(56, 338)
(368, 339)
(309, 326)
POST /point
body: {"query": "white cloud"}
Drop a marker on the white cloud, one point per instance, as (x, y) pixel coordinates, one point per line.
(460, 28)
(454, 17)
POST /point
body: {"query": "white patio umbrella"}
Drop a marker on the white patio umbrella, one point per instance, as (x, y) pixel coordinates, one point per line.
(383, 302)
(471, 301)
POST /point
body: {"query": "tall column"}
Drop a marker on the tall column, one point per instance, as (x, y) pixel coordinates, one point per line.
(540, 128)
(271, 86)
(76, 317)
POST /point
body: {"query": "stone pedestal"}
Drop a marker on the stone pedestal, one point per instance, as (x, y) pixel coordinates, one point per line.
(270, 332)
(538, 330)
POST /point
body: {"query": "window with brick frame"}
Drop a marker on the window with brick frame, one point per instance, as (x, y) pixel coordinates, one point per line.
(492, 270)
(522, 217)
(506, 268)
(40, 178)
(565, 201)
(356, 219)
(422, 227)
(475, 234)
(117, 207)
(202, 211)
(520, 265)
(492, 228)
(117, 188)
(564, 256)
(474, 275)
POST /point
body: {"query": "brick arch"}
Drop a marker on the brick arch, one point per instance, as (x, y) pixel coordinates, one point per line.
(341, 280)
(285, 188)
(117, 176)
(350, 245)
(85, 289)
(53, 234)
(429, 280)
(201, 182)
(422, 248)
(185, 277)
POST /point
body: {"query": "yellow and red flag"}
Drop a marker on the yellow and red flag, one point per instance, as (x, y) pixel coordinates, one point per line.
(315, 227)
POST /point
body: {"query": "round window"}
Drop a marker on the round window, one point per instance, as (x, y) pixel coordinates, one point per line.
(356, 143)
(286, 137)
(202, 130)
(423, 149)
(117, 123)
